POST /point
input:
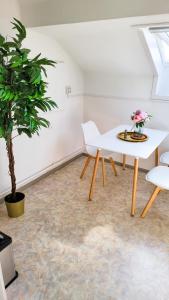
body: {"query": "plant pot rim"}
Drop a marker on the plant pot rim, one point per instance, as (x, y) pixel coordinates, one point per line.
(19, 197)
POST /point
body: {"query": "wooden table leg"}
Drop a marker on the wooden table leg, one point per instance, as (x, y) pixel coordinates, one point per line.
(124, 161)
(103, 171)
(94, 174)
(156, 157)
(135, 177)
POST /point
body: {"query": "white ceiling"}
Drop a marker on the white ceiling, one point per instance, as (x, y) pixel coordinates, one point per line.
(52, 12)
(110, 46)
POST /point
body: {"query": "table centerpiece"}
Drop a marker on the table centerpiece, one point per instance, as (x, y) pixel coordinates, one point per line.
(139, 118)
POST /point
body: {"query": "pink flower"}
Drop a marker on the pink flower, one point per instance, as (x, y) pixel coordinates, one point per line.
(137, 118)
(140, 116)
(143, 115)
(138, 112)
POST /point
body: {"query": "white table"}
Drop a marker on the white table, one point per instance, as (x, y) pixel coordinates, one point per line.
(110, 142)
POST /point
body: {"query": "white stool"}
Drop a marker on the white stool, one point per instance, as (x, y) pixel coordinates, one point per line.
(159, 176)
(164, 158)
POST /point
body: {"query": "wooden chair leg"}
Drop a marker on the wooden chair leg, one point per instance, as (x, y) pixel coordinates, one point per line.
(156, 157)
(113, 166)
(150, 202)
(94, 174)
(103, 171)
(124, 161)
(85, 166)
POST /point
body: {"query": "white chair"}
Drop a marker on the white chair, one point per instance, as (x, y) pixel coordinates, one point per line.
(164, 158)
(159, 176)
(91, 131)
(3, 295)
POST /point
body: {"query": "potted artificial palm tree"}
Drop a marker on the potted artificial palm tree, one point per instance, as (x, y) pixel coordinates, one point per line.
(22, 98)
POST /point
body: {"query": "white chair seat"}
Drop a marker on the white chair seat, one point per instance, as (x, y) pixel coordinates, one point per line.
(93, 151)
(164, 158)
(159, 176)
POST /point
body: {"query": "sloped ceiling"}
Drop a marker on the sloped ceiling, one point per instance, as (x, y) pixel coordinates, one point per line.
(51, 12)
(110, 46)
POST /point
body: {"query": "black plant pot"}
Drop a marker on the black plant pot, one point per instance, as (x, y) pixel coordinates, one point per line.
(15, 207)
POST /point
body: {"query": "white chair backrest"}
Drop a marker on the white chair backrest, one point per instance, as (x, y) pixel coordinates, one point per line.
(90, 131)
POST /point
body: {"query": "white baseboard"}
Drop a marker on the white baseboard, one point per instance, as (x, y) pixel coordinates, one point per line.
(26, 181)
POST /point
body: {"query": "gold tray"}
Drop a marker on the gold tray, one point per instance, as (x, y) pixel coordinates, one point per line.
(131, 138)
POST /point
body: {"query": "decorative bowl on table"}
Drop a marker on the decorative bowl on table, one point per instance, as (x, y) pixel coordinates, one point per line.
(130, 136)
(139, 136)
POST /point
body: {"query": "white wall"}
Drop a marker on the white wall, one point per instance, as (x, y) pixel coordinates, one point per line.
(64, 139)
(127, 86)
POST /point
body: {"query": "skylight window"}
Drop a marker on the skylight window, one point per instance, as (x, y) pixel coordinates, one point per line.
(164, 50)
(157, 40)
(162, 37)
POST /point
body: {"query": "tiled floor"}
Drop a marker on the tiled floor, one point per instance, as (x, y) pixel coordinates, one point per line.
(67, 248)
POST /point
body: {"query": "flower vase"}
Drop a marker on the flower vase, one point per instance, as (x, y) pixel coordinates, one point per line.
(138, 132)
